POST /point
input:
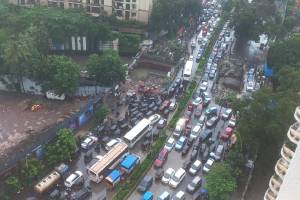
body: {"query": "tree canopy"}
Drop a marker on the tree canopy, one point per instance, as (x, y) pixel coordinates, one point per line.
(170, 15)
(107, 68)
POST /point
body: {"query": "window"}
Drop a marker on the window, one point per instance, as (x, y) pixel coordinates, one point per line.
(133, 6)
(133, 14)
(127, 6)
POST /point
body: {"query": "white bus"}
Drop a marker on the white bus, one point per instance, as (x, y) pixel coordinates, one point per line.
(187, 71)
(98, 171)
(137, 132)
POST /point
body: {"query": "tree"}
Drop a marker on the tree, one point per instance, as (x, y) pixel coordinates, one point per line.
(170, 15)
(14, 184)
(129, 43)
(107, 69)
(101, 113)
(220, 182)
(236, 160)
(31, 170)
(63, 148)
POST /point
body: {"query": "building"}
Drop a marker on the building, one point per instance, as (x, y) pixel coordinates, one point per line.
(138, 10)
(285, 183)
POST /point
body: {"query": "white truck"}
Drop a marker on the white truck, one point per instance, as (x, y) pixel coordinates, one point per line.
(179, 127)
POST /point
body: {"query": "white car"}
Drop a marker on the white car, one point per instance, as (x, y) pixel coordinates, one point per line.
(203, 86)
(112, 143)
(170, 144)
(227, 114)
(74, 178)
(232, 122)
(195, 131)
(250, 86)
(197, 101)
(168, 174)
(154, 118)
(172, 105)
(195, 167)
(177, 178)
(179, 196)
(208, 165)
(89, 142)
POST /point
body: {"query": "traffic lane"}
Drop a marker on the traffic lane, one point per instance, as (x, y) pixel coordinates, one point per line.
(175, 161)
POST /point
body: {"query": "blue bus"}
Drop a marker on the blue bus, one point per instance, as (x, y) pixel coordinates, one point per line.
(129, 162)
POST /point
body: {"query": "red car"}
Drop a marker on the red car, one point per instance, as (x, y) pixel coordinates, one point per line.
(198, 111)
(165, 105)
(190, 107)
(227, 134)
(161, 158)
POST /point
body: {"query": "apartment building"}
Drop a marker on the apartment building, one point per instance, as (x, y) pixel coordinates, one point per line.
(285, 183)
(138, 10)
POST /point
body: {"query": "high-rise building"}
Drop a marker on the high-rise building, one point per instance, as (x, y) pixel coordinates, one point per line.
(138, 10)
(285, 183)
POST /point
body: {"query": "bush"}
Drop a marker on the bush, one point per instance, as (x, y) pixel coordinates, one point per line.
(13, 184)
(101, 113)
(129, 43)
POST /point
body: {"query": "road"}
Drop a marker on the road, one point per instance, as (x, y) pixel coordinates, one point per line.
(175, 159)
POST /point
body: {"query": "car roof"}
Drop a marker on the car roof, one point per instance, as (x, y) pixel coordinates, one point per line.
(170, 170)
(196, 179)
(197, 163)
(179, 194)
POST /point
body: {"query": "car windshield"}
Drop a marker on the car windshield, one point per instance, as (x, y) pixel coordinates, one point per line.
(175, 178)
(167, 175)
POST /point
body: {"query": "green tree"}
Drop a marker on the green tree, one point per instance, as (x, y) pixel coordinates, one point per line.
(101, 113)
(31, 169)
(14, 184)
(107, 69)
(62, 149)
(220, 182)
(236, 160)
(129, 43)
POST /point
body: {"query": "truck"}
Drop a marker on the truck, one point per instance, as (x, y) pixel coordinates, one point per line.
(179, 126)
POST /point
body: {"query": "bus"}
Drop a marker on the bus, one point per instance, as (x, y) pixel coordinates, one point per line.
(137, 132)
(47, 182)
(98, 171)
(187, 71)
(129, 163)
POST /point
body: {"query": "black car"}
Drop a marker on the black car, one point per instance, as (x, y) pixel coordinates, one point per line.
(145, 184)
(81, 194)
(194, 154)
(205, 155)
(205, 135)
(159, 174)
(190, 141)
(185, 150)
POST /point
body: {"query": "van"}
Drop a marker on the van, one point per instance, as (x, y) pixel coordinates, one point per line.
(74, 179)
(177, 178)
(195, 132)
(164, 196)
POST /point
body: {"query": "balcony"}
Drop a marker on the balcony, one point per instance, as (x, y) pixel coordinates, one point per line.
(294, 133)
(269, 195)
(287, 153)
(297, 114)
(281, 167)
(274, 184)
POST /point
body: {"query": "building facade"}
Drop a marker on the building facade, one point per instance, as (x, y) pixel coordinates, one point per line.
(138, 10)
(285, 183)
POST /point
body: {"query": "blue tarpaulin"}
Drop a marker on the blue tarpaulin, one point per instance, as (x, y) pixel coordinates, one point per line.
(268, 71)
(114, 175)
(129, 161)
(148, 196)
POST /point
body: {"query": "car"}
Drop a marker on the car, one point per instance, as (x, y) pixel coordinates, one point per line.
(202, 120)
(190, 107)
(196, 94)
(198, 57)
(164, 196)
(168, 174)
(185, 150)
(165, 105)
(147, 196)
(198, 111)
(207, 166)
(170, 144)
(180, 143)
(159, 174)
(205, 135)
(227, 114)
(250, 86)
(217, 155)
(81, 194)
(196, 166)
(205, 155)
(89, 142)
(190, 142)
(75, 178)
(180, 195)
(201, 195)
(203, 86)
(188, 114)
(211, 111)
(172, 105)
(145, 184)
(195, 132)
(203, 147)
(177, 178)
(112, 143)
(154, 119)
(227, 134)
(212, 73)
(204, 79)
(212, 121)
(194, 154)
(194, 185)
(161, 123)
(232, 122)
(197, 101)
(161, 158)
(187, 130)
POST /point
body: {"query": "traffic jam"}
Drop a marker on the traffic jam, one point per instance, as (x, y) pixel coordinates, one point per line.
(200, 138)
